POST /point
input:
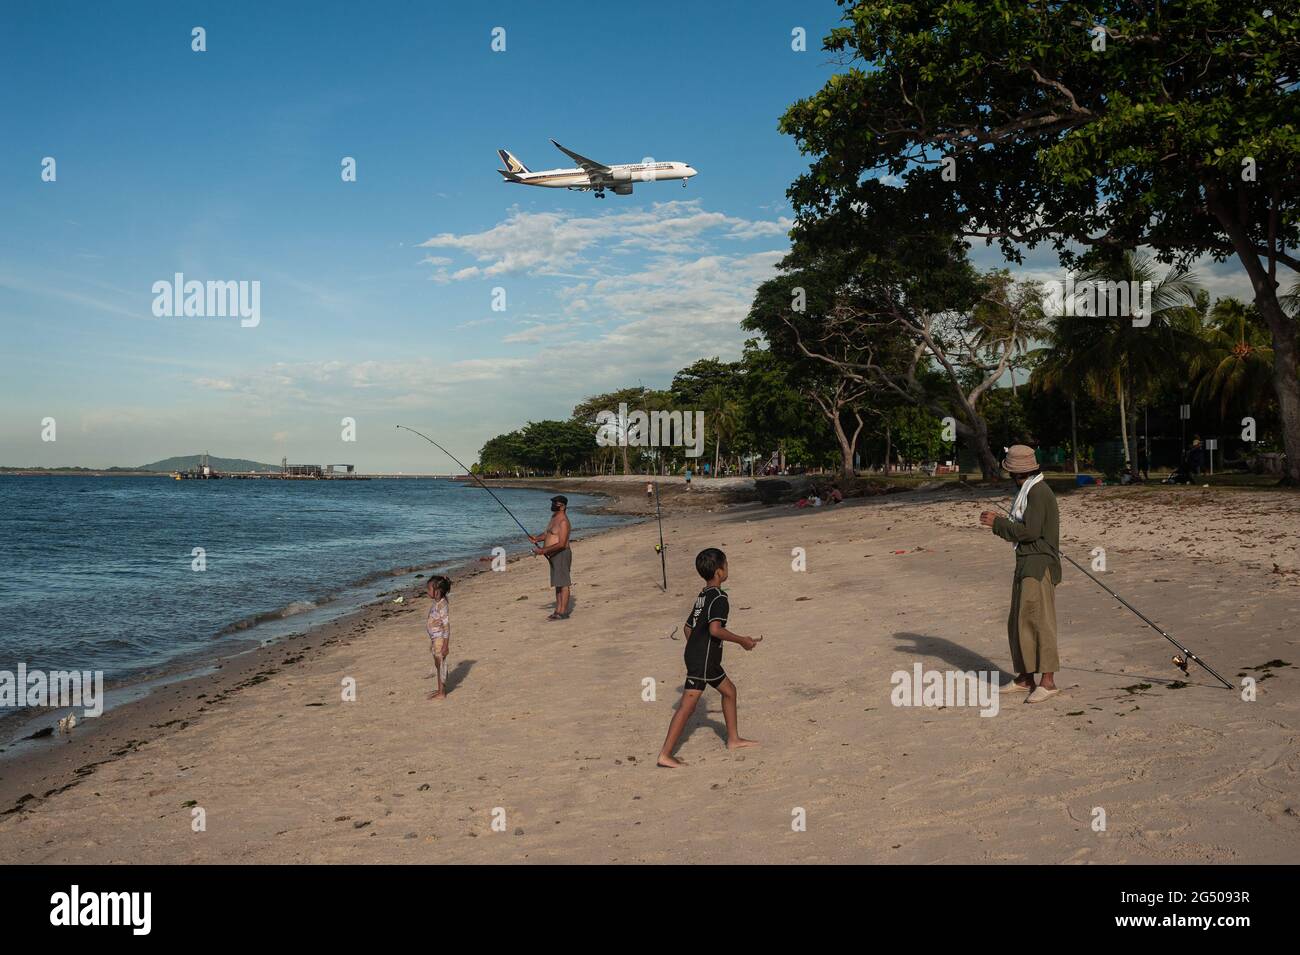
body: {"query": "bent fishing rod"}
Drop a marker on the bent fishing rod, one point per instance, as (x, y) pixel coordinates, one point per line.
(1180, 662)
(531, 542)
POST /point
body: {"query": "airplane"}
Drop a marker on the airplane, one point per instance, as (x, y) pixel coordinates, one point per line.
(593, 175)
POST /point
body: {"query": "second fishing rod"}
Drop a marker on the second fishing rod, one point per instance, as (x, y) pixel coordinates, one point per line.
(1180, 662)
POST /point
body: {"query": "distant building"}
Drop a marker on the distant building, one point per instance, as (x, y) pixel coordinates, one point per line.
(302, 470)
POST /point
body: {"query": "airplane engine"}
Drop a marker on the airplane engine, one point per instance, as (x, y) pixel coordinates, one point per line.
(620, 175)
(623, 189)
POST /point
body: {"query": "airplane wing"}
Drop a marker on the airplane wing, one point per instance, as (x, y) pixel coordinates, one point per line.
(595, 170)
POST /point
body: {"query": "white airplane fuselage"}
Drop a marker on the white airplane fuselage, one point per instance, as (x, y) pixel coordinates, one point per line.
(592, 175)
(623, 173)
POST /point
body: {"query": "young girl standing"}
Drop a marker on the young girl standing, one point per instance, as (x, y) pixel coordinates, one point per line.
(438, 626)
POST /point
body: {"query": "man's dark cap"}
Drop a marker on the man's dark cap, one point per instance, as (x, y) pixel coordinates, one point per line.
(560, 499)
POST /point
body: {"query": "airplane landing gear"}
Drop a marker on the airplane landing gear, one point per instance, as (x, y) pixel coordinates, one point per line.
(600, 194)
(684, 183)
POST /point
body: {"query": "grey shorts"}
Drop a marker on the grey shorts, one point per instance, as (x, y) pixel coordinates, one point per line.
(561, 564)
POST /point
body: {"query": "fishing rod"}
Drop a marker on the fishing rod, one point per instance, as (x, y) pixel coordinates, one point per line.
(1179, 661)
(659, 516)
(531, 542)
(663, 564)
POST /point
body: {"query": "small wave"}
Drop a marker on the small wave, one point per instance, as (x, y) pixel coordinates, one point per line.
(291, 609)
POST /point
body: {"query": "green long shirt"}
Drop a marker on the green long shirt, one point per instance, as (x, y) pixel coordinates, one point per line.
(1038, 539)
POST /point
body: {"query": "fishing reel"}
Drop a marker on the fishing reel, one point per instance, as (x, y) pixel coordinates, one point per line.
(1181, 663)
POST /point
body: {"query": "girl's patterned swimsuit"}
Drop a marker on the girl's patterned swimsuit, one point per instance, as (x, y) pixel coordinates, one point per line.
(438, 625)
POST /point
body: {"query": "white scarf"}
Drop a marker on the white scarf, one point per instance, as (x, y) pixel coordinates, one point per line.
(1022, 499)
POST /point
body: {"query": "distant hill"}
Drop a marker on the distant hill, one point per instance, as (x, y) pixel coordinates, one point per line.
(186, 462)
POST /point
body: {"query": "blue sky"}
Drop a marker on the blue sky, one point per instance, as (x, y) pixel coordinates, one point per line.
(375, 295)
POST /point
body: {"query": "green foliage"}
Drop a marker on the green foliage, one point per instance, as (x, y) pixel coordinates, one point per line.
(917, 436)
(1096, 128)
(552, 446)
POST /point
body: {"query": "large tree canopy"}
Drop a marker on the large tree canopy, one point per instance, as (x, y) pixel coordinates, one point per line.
(1096, 127)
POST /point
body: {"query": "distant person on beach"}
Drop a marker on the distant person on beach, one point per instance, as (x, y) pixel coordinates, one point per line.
(1034, 527)
(688, 479)
(553, 544)
(650, 491)
(836, 496)
(706, 630)
(438, 626)
(1195, 458)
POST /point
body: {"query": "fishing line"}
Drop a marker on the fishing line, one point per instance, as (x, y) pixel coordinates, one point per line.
(531, 542)
(1180, 662)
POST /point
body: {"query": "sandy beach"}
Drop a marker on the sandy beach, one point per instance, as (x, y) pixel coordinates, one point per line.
(546, 731)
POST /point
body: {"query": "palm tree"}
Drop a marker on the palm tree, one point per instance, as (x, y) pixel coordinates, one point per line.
(725, 414)
(1107, 356)
(1235, 369)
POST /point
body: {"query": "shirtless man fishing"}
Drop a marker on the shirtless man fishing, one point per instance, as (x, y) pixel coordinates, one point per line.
(553, 544)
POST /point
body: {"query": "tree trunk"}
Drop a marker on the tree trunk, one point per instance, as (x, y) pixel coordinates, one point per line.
(846, 447)
(1286, 382)
(1074, 437)
(888, 445)
(717, 450)
(1286, 351)
(1123, 419)
(626, 469)
(990, 467)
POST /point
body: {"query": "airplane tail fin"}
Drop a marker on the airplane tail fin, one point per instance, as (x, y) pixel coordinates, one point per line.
(512, 164)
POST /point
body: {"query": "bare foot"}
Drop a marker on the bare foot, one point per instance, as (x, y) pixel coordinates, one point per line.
(440, 695)
(667, 762)
(739, 743)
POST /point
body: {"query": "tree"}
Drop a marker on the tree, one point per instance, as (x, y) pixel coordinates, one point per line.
(585, 413)
(773, 414)
(692, 385)
(794, 305)
(884, 311)
(1009, 316)
(712, 386)
(1085, 125)
(1129, 357)
(555, 445)
(722, 410)
(1232, 371)
(505, 452)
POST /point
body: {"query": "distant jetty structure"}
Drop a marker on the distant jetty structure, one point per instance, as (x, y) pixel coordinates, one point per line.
(288, 472)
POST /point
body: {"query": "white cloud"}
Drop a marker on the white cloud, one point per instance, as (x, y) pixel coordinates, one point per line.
(557, 243)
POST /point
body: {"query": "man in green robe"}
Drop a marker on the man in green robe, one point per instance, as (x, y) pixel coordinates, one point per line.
(1034, 527)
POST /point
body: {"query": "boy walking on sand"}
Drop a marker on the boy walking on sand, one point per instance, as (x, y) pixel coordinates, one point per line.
(706, 630)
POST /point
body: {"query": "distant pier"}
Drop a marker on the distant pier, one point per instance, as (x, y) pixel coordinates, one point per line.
(288, 472)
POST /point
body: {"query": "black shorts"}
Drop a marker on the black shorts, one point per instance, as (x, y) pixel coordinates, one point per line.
(703, 659)
(699, 682)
